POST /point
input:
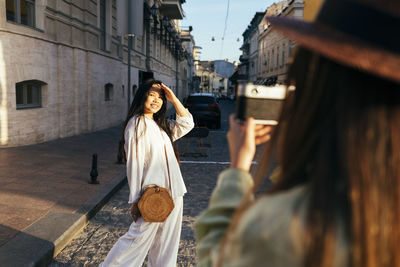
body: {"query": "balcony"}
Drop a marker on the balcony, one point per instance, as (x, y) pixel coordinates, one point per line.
(172, 9)
(244, 58)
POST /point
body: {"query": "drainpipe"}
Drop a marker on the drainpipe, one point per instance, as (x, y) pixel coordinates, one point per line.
(130, 35)
(177, 77)
(147, 16)
(129, 68)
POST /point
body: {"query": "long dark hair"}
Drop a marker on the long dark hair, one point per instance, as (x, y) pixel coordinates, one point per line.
(137, 109)
(339, 133)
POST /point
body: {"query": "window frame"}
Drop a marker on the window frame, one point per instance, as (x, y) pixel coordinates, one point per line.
(24, 85)
(103, 24)
(273, 59)
(30, 9)
(277, 58)
(108, 92)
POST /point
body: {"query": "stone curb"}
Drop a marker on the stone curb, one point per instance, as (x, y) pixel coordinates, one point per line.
(43, 240)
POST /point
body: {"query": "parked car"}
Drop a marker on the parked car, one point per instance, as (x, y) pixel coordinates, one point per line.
(222, 97)
(205, 110)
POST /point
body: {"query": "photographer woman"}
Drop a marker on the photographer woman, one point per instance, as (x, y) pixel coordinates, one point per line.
(150, 159)
(337, 202)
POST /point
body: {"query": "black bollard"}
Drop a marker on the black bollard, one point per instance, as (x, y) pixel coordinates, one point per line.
(93, 172)
(120, 155)
(119, 159)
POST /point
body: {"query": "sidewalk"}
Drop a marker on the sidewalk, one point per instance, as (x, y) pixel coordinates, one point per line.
(45, 197)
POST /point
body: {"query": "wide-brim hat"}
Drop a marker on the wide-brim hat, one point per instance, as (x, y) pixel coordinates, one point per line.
(364, 34)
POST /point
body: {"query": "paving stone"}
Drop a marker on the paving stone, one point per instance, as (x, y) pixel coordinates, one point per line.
(53, 176)
(91, 246)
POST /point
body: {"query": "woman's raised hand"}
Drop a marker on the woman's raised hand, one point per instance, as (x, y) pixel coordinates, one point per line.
(169, 94)
(243, 138)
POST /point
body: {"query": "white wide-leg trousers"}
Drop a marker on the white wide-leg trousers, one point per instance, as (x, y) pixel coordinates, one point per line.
(159, 240)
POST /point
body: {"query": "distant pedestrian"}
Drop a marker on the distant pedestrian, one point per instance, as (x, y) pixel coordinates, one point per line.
(337, 200)
(147, 145)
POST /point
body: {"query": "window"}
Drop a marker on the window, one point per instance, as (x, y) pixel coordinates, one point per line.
(108, 92)
(29, 94)
(277, 58)
(21, 11)
(272, 59)
(103, 24)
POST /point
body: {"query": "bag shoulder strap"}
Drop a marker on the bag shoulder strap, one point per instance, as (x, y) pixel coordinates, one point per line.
(169, 176)
(166, 159)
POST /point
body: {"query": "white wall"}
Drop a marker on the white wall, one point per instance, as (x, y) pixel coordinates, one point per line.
(73, 97)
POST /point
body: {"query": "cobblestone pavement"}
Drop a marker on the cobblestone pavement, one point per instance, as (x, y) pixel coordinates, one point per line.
(91, 246)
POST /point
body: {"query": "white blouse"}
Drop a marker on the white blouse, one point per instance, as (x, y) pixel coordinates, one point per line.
(145, 159)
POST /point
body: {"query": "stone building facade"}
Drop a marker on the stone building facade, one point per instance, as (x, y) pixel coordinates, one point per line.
(63, 63)
(248, 66)
(214, 76)
(275, 50)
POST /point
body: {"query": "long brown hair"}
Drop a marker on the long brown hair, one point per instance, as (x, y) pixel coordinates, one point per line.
(339, 134)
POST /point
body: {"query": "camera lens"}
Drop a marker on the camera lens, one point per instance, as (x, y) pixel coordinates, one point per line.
(254, 92)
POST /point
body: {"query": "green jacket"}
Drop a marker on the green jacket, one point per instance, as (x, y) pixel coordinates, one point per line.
(270, 233)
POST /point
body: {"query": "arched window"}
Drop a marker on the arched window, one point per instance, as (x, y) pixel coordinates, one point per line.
(108, 91)
(29, 94)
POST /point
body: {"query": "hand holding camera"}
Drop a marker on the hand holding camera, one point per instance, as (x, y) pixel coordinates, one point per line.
(243, 138)
(258, 109)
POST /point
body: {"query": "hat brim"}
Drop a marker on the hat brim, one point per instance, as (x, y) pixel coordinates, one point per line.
(340, 47)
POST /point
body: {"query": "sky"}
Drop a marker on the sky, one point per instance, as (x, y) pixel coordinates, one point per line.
(208, 20)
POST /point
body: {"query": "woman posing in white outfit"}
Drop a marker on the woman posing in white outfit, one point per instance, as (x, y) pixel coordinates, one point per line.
(147, 135)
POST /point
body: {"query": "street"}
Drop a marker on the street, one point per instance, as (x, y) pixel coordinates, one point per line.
(91, 246)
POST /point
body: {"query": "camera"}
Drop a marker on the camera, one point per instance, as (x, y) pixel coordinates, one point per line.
(261, 102)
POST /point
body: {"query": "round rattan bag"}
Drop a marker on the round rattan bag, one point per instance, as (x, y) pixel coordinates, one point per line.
(155, 204)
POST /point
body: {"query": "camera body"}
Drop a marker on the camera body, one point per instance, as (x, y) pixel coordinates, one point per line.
(261, 102)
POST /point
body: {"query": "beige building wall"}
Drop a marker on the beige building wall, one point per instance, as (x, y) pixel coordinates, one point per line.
(210, 81)
(64, 52)
(167, 67)
(253, 57)
(275, 49)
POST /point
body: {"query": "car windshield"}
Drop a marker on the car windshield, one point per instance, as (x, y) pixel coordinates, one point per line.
(201, 99)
